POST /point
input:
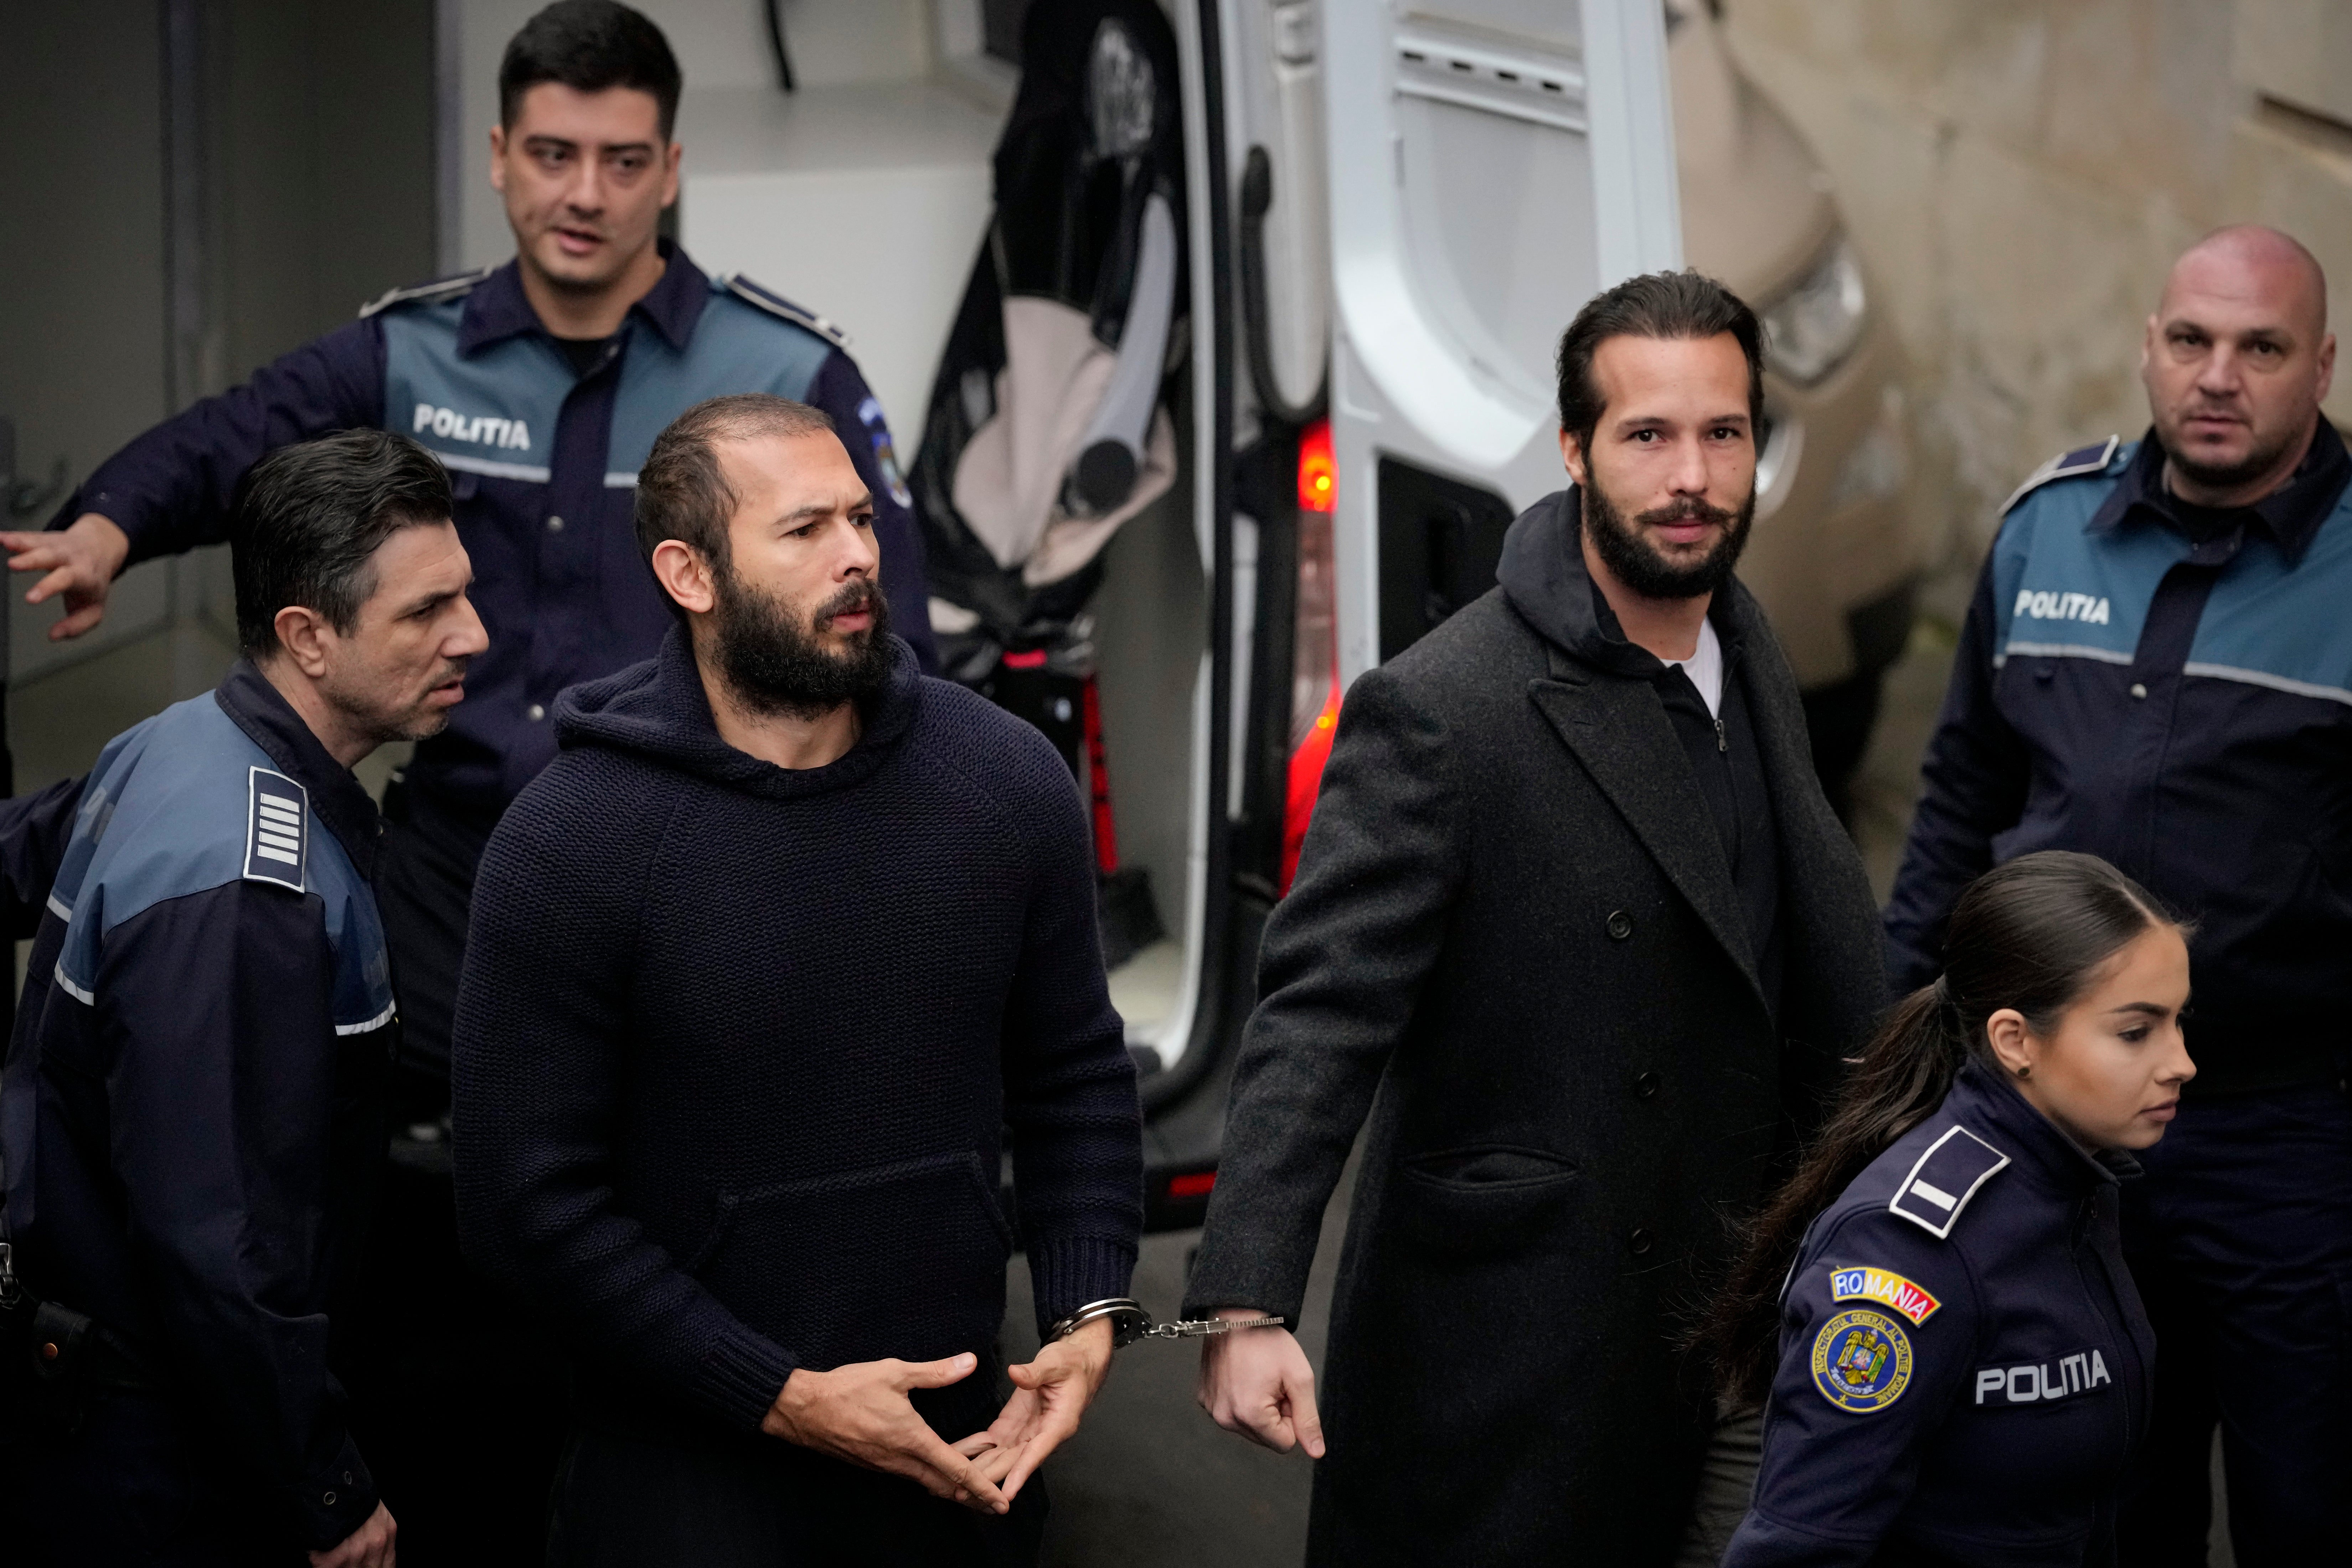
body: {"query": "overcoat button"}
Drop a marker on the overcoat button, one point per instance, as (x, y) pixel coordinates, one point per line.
(1646, 1085)
(329, 1499)
(1621, 924)
(1640, 1241)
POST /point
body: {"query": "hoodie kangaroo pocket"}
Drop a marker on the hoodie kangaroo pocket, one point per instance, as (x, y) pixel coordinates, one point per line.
(843, 1268)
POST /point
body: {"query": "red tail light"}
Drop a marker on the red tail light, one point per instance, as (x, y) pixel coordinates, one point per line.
(1192, 1185)
(1315, 684)
(1319, 471)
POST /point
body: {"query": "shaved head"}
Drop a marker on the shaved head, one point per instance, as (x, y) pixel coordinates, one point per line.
(2260, 260)
(2237, 361)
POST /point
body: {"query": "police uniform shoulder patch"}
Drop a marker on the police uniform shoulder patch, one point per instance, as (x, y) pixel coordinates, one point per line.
(1861, 1361)
(1887, 1289)
(2090, 459)
(1944, 1179)
(276, 829)
(752, 294)
(449, 287)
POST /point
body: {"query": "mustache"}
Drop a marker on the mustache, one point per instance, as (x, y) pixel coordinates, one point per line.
(854, 598)
(1690, 508)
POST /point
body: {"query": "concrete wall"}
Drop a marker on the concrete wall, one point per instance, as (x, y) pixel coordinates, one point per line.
(2021, 173)
(81, 273)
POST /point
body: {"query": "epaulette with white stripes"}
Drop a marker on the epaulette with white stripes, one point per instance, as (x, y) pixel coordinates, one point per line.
(751, 294)
(2088, 459)
(439, 288)
(1944, 1179)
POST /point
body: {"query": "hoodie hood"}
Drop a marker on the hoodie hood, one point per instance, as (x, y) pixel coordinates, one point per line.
(659, 710)
(1543, 577)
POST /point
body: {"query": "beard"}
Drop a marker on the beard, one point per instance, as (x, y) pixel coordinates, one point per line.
(1636, 563)
(773, 662)
(2223, 476)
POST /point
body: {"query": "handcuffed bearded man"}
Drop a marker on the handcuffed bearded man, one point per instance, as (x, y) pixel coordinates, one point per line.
(1573, 908)
(760, 969)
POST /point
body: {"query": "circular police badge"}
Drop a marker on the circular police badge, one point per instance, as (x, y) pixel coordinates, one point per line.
(1861, 1361)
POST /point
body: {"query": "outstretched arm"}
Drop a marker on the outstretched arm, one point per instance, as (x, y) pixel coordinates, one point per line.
(170, 488)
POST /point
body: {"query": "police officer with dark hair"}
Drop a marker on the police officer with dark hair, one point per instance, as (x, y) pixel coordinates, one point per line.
(1963, 1368)
(192, 1114)
(2157, 670)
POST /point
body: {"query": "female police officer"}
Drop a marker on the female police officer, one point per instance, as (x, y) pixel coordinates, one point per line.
(1964, 1365)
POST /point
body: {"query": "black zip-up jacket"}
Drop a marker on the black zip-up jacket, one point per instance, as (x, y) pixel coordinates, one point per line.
(1965, 1365)
(191, 1117)
(2177, 699)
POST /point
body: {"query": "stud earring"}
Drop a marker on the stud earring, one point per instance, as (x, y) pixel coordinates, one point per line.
(2026, 1072)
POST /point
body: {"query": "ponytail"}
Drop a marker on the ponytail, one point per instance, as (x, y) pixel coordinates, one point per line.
(2031, 935)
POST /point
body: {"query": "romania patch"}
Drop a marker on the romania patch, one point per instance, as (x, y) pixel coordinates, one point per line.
(1861, 1361)
(1884, 1287)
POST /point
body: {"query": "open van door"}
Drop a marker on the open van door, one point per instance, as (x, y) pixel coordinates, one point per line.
(1414, 201)
(1494, 163)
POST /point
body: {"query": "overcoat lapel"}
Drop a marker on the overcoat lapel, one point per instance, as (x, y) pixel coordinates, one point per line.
(1617, 728)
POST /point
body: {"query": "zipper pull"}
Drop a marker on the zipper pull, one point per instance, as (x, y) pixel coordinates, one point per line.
(1722, 743)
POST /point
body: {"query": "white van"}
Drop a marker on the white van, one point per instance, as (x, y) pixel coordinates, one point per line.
(1393, 210)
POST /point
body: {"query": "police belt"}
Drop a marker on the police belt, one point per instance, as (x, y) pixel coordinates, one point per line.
(64, 1347)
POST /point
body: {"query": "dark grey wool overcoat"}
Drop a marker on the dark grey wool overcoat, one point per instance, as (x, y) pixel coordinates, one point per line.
(1514, 921)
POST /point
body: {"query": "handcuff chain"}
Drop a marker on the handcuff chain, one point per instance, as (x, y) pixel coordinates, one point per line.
(1130, 1322)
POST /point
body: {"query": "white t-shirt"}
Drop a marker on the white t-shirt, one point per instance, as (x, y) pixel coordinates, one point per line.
(1704, 669)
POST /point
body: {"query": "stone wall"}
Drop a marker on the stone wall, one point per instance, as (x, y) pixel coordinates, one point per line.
(2020, 173)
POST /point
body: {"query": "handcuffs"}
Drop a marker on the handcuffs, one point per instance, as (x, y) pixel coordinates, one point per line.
(1129, 1322)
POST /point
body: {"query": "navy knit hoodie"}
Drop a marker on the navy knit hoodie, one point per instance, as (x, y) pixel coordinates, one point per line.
(735, 1046)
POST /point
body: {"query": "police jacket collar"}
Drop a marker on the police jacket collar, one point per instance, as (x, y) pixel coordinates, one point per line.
(269, 722)
(1543, 576)
(2291, 514)
(659, 711)
(498, 309)
(1991, 1106)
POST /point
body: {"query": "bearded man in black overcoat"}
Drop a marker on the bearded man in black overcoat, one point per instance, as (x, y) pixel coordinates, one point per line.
(1575, 926)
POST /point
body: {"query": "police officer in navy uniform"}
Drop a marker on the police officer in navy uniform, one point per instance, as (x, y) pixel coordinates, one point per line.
(2158, 670)
(190, 1118)
(1963, 1366)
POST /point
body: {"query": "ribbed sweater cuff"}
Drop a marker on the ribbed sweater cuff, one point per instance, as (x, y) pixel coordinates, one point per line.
(1068, 1272)
(740, 1376)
